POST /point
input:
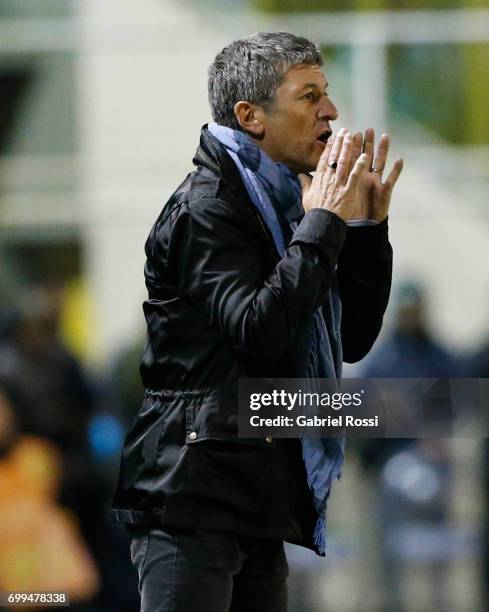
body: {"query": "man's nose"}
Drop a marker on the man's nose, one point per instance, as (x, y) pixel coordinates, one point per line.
(327, 110)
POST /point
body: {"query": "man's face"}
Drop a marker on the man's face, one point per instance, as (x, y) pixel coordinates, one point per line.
(297, 124)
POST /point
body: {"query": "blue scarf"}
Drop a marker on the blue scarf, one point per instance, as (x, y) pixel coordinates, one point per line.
(276, 192)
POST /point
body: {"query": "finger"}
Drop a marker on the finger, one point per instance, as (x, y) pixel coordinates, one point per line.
(381, 156)
(368, 146)
(356, 148)
(394, 174)
(323, 160)
(305, 181)
(358, 169)
(343, 167)
(335, 153)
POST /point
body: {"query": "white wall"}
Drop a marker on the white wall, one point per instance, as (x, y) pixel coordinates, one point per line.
(142, 90)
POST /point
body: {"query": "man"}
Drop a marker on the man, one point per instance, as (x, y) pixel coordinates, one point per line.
(242, 283)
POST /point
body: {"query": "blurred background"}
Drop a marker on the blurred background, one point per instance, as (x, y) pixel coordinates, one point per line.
(101, 105)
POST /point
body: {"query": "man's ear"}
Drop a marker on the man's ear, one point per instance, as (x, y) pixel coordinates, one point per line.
(249, 118)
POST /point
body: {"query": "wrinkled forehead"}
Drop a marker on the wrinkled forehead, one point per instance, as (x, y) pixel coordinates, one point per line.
(301, 76)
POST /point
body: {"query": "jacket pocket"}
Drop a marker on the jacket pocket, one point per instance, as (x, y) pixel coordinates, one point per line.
(216, 419)
(143, 444)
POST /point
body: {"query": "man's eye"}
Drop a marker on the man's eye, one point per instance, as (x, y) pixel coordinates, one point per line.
(309, 96)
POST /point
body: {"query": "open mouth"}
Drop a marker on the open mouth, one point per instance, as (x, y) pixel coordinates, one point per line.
(324, 136)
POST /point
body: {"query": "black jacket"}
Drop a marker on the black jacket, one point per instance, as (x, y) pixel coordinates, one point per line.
(221, 306)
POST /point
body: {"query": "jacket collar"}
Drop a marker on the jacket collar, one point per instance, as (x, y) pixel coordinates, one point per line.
(212, 155)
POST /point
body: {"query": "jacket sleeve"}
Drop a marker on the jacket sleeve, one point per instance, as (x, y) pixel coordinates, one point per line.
(364, 277)
(216, 257)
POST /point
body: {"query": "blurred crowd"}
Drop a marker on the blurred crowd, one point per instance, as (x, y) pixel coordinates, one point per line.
(413, 479)
(62, 427)
(60, 435)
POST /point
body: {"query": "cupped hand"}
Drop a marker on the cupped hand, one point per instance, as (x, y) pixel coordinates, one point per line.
(374, 193)
(336, 181)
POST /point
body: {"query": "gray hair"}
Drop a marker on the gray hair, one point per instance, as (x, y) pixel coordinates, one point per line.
(252, 68)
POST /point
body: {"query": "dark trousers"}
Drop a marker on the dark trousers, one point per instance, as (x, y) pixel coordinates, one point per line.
(188, 570)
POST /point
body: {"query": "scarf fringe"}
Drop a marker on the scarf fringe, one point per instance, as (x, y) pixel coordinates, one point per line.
(320, 535)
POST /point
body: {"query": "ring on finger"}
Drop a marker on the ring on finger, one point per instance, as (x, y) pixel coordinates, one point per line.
(377, 171)
(333, 165)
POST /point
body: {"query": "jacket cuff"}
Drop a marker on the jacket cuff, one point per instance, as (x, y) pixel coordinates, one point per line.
(323, 229)
(372, 239)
